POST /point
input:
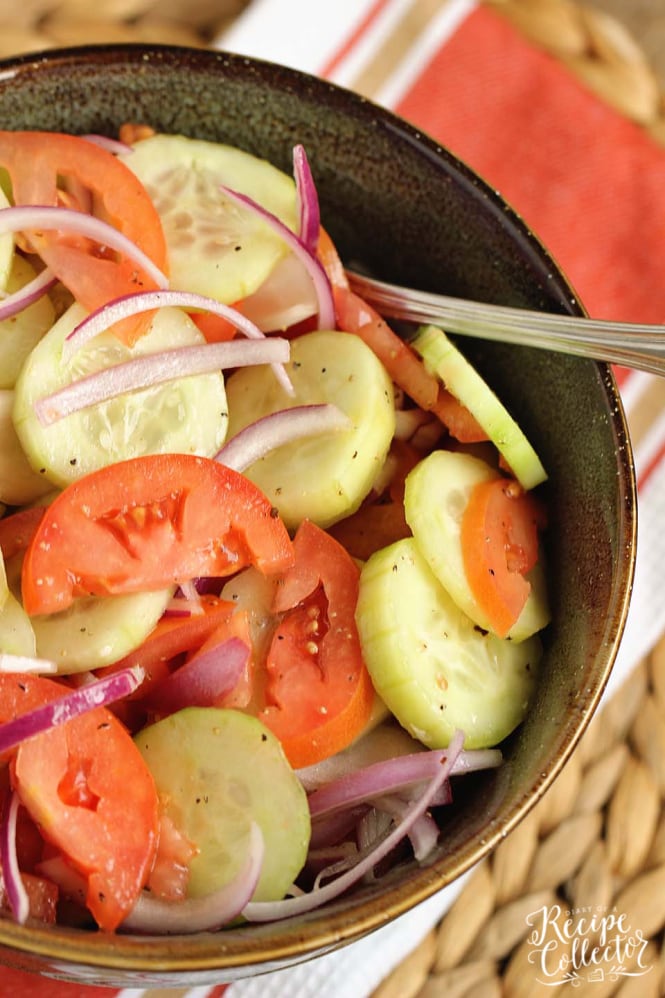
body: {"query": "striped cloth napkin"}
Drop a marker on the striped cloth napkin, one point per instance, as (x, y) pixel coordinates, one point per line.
(589, 183)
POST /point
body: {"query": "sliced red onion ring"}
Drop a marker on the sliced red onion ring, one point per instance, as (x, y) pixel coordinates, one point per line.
(202, 681)
(205, 914)
(424, 834)
(147, 301)
(314, 268)
(278, 428)
(111, 145)
(308, 201)
(394, 775)
(154, 369)
(268, 911)
(26, 663)
(24, 218)
(27, 295)
(16, 892)
(70, 705)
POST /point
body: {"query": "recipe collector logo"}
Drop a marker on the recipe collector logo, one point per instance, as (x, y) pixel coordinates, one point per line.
(585, 944)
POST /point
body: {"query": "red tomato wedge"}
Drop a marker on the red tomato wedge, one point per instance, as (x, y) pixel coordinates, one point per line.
(147, 523)
(405, 368)
(88, 789)
(45, 168)
(499, 536)
(318, 693)
(18, 529)
(172, 637)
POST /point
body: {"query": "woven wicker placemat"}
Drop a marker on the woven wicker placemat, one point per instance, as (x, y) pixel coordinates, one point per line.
(595, 844)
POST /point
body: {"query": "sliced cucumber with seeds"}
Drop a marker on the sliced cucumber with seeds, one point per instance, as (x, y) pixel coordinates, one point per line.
(216, 772)
(214, 246)
(324, 477)
(434, 669)
(461, 379)
(187, 415)
(436, 494)
(21, 332)
(96, 630)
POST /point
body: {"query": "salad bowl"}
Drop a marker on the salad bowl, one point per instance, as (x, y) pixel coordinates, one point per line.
(404, 208)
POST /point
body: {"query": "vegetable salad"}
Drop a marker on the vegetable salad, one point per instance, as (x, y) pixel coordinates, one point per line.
(271, 577)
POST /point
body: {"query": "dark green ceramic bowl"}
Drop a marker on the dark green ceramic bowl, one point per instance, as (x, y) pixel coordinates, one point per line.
(405, 207)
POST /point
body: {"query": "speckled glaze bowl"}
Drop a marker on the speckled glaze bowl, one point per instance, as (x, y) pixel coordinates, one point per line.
(405, 207)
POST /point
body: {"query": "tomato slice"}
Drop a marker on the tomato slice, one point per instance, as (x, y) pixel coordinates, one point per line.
(405, 368)
(87, 787)
(499, 536)
(45, 168)
(318, 694)
(18, 529)
(173, 636)
(147, 523)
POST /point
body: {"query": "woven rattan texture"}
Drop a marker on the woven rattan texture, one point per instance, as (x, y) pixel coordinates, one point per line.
(596, 842)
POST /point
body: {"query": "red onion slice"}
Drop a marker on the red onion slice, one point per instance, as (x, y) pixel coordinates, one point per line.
(111, 145)
(98, 694)
(268, 911)
(202, 681)
(394, 775)
(278, 428)
(16, 892)
(147, 301)
(314, 267)
(36, 288)
(308, 201)
(23, 218)
(205, 914)
(154, 369)
(26, 663)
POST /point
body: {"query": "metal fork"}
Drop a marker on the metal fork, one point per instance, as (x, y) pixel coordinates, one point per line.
(625, 343)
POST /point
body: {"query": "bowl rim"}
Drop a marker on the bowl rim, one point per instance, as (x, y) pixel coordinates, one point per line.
(66, 949)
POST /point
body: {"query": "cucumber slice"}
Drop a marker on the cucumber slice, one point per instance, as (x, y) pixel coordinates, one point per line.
(16, 634)
(6, 249)
(463, 381)
(185, 416)
(428, 661)
(20, 333)
(215, 247)
(436, 493)
(95, 630)
(216, 771)
(320, 478)
(19, 484)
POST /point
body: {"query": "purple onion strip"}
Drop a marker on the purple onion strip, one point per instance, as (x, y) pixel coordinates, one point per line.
(70, 705)
(203, 680)
(278, 428)
(394, 775)
(204, 914)
(268, 911)
(11, 875)
(308, 201)
(314, 267)
(23, 218)
(154, 369)
(27, 295)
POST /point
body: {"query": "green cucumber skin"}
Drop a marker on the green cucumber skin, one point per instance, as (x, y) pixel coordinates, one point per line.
(443, 358)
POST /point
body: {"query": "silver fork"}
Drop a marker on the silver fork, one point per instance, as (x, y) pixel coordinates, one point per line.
(625, 343)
